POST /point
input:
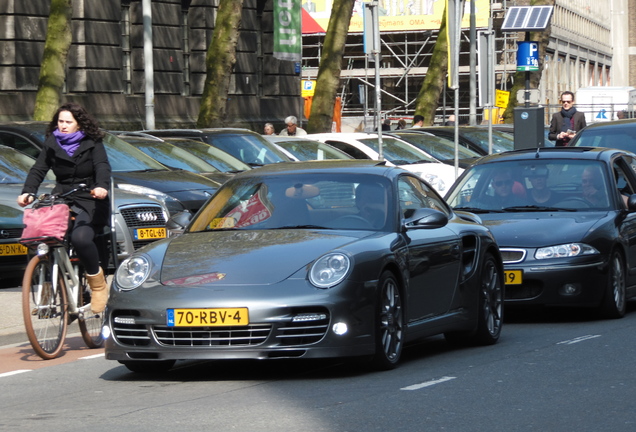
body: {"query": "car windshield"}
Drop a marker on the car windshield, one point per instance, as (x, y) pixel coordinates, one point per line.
(172, 156)
(216, 157)
(397, 151)
(306, 150)
(124, 157)
(620, 136)
(316, 201)
(437, 147)
(501, 141)
(14, 166)
(251, 149)
(533, 185)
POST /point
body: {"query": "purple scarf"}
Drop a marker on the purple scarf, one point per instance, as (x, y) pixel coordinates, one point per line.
(69, 142)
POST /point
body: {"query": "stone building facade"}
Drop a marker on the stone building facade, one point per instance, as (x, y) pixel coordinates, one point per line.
(105, 66)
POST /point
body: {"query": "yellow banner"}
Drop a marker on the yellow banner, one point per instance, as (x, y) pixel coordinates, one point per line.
(397, 15)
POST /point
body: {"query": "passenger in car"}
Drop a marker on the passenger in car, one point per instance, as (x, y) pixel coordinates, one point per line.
(371, 203)
(592, 187)
(540, 193)
(504, 192)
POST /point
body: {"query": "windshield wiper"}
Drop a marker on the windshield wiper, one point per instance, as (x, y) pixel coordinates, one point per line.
(478, 210)
(536, 208)
(300, 227)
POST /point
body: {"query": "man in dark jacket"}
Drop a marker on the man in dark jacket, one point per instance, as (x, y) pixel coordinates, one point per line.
(567, 122)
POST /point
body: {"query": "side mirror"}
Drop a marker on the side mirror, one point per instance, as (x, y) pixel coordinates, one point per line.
(426, 218)
(631, 203)
(177, 223)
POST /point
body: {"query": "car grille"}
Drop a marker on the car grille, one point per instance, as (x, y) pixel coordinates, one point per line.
(511, 256)
(302, 333)
(142, 216)
(147, 216)
(527, 290)
(12, 233)
(127, 333)
(253, 334)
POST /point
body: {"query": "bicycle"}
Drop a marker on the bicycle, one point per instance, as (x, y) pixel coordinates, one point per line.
(55, 293)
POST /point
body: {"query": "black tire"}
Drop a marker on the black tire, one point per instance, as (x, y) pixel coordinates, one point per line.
(91, 325)
(145, 366)
(490, 315)
(44, 311)
(389, 324)
(614, 303)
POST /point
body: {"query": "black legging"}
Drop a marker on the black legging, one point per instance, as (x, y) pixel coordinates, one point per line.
(83, 240)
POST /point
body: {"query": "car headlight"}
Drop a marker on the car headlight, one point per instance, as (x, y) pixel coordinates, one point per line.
(565, 251)
(132, 272)
(329, 270)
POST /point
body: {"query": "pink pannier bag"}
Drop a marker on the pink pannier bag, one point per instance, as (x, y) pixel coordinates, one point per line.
(46, 221)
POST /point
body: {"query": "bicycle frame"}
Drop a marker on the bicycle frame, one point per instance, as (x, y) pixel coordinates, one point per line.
(63, 267)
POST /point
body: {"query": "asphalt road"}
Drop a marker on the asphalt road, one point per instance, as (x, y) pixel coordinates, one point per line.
(555, 371)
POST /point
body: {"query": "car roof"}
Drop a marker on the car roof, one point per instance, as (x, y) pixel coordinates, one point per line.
(335, 166)
(588, 153)
(200, 131)
(625, 123)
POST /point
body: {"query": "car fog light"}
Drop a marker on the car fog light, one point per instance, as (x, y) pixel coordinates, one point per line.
(42, 249)
(124, 320)
(340, 328)
(570, 289)
(105, 332)
(309, 317)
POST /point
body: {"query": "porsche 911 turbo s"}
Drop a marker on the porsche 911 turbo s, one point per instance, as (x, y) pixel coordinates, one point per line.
(343, 258)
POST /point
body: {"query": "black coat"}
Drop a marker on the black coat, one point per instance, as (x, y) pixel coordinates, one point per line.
(89, 165)
(556, 125)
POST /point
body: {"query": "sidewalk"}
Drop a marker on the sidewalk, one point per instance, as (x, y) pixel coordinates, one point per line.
(11, 323)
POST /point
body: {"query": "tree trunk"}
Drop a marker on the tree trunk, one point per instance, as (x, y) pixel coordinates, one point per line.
(219, 62)
(542, 38)
(428, 98)
(53, 67)
(328, 80)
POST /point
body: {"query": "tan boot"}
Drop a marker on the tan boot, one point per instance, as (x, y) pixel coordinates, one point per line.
(99, 291)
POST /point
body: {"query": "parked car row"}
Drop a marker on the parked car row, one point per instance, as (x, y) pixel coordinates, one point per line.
(306, 251)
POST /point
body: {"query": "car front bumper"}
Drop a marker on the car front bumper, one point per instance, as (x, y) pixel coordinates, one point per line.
(282, 323)
(569, 284)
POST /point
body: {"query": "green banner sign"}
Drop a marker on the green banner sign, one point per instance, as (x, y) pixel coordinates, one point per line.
(287, 30)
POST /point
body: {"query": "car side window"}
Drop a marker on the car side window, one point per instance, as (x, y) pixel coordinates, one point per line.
(348, 149)
(414, 194)
(624, 179)
(19, 143)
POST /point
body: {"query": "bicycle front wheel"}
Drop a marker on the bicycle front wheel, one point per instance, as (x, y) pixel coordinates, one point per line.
(91, 324)
(44, 308)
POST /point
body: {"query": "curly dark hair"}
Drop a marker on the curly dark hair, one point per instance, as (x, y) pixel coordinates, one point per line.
(86, 122)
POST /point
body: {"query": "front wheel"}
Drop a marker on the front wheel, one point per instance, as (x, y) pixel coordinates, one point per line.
(614, 303)
(389, 331)
(91, 324)
(44, 308)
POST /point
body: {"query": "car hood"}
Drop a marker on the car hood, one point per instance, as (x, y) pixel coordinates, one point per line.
(246, 257)
(530, 230)
(168, 182)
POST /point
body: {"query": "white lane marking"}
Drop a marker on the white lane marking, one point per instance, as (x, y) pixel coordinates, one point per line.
(15, 372)
(428, 383)
(92, 356)
(578, 339)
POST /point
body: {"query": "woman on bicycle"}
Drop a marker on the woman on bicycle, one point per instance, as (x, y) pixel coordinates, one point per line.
(73, 149)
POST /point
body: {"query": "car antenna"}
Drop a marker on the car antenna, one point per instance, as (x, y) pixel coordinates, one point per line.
(536, 156)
